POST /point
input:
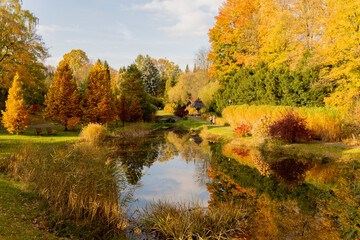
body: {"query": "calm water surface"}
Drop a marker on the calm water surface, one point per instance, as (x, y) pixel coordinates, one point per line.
(286, 197)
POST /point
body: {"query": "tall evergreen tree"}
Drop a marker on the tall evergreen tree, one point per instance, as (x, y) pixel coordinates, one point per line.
(150, 76)
(15, 117)
(187, 70)
(62, 101)
(98, 100)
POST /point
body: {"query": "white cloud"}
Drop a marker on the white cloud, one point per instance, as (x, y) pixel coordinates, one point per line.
(185, 17)
(47, 29)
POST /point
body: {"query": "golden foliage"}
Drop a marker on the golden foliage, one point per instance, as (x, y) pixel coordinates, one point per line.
(62, 101)
(15, 117)
(98, 99)
(327, 124)
(94, 133)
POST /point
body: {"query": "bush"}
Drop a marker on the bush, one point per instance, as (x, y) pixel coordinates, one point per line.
(170, 108)
(262, 127)
(221, 121)
(94, 133)
(243, 130)
(181, 221)
(325, 123)
(192, 111)
(180, 112)
(291, 128)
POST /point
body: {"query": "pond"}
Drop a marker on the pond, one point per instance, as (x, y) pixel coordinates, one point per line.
(285, 197)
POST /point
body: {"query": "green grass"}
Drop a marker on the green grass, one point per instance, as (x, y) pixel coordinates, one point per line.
(10, 143)
(225, 132)
(190, 124)
(20, 215)
(163, 113)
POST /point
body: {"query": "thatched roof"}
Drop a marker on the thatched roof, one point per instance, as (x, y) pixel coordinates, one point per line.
(198, 104)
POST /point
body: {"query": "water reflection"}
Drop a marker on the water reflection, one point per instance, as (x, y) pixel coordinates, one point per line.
(286, 198)
(168, 166)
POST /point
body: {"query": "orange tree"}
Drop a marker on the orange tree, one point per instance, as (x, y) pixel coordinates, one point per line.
(15, 117)
(98, 100)
(62, 100)
(233, 38)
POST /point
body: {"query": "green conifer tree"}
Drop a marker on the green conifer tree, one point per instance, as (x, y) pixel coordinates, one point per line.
(150, 76)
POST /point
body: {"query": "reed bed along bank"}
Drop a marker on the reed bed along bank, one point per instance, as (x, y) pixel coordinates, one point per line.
(185, 221)
(81, 183)
(325, 123)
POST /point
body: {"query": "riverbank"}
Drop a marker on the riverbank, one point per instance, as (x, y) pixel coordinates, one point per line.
(316, 150)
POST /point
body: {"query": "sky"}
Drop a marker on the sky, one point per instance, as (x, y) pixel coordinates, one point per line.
(119, 30)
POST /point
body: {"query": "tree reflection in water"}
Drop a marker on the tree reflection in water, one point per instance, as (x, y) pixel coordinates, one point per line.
(286, 198)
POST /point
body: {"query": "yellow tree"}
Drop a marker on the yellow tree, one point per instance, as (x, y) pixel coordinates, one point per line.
(98, 100)
(234, 38)
(20, 47)
(62, 100)
(15, 117)
(340, 54)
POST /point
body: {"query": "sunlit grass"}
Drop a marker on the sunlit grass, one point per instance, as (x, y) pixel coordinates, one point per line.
(190, 124)
(10, 143)
(19, 209)
(163, 113)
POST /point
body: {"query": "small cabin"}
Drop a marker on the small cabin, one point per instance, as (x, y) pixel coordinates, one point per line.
(198, 105)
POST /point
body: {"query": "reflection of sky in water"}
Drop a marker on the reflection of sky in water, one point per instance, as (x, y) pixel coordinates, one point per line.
(173, 181)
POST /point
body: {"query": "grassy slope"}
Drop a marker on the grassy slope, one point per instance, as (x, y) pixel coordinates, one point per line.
(20, 217)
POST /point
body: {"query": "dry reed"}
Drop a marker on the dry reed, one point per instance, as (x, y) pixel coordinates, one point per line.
(325, 123)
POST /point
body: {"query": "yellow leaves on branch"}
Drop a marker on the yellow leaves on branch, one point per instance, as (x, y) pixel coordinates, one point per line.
(15, 117)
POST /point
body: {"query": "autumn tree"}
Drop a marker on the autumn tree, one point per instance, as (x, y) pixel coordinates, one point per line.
(21, 49)
(150, 76)
(122, 110)
(98, 100)
(15, 117)
(132, 89)
(188, 87)
(76, 59)
(169, 73)
(187, 70)
(340, 54)
(135, 112)
(62, 101)
(234, 38)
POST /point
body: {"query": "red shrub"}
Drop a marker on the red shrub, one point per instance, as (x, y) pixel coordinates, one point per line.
(180, 112)
(291, 128)
(241, 152)
(33, 108)
(243, 130)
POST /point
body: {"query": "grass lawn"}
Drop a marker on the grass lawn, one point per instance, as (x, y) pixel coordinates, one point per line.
(190, 124)
(163, 113)
(20, 216)
(10, 143)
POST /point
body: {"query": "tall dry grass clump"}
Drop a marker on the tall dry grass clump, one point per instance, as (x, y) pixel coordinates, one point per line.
(134, 130)
(182, 221)
(325, 123)
(94, 133)
(80, 183)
